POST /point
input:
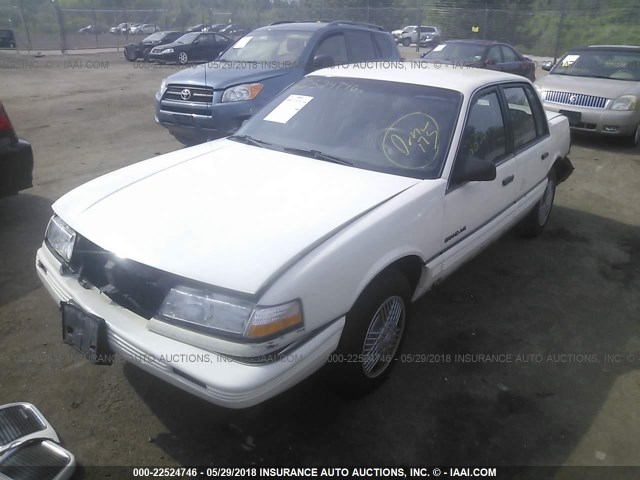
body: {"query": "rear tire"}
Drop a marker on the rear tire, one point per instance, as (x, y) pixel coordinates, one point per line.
(372, 335)
(533, 224)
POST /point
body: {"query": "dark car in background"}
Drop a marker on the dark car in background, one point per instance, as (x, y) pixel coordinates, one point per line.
(16, 158)
(216, 27)
(483, 54)
(196, 28)
(234, 31)
(133, 51)
(194, 46)
(7, 39)
(213, 100)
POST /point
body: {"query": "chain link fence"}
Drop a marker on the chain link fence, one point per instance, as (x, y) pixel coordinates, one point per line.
(542, 27)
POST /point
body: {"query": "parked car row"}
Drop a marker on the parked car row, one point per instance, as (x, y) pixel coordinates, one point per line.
(229, 29)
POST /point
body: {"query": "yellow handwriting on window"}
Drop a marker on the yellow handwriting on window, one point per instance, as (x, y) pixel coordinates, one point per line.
(412, 141)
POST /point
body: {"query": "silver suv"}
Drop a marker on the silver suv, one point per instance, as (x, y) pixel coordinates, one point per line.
(428, 36)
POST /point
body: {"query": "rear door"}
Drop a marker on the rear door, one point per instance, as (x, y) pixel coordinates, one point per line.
(530, 136)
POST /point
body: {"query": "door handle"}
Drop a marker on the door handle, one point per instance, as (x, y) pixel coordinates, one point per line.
(544, 155)
(506, 181)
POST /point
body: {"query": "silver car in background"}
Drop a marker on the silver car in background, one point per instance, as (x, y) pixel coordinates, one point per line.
(598, 89)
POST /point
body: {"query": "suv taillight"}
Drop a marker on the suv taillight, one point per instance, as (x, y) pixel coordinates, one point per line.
(5, 123)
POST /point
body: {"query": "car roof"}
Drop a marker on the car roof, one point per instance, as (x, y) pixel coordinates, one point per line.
(621, 48)
(477, 42)
(451, 77)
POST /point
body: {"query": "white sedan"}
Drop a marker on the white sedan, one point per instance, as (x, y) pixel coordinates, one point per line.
(236, 268)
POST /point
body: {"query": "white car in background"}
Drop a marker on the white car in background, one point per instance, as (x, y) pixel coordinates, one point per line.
(236, 268)
(144, 29)
(398, 33)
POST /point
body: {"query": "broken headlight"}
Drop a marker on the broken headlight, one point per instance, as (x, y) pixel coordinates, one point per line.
(216, 313)
(60, 237)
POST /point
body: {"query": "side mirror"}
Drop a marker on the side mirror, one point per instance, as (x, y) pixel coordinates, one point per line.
(322, 61)
(473, 169)
(546, 65)
(490, 61)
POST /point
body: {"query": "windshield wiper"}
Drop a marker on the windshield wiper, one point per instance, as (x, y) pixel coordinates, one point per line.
(249, 140)
(318, 155)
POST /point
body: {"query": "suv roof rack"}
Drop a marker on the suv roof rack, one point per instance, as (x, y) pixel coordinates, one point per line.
(360, 24)
(280, 22)
(332, 23)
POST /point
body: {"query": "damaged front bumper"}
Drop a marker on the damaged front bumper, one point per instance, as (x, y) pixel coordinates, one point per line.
(213, 377)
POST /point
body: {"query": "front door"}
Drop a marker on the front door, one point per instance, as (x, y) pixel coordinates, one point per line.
(475, 210)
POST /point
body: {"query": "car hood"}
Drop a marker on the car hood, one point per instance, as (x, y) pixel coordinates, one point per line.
(175, 45)
(599, 87)
(218, 76)
(224, 213)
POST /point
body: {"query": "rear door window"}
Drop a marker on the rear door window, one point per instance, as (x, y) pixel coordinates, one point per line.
(335, 47)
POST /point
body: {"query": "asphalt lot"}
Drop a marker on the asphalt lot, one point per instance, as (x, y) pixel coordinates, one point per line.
(550, 326)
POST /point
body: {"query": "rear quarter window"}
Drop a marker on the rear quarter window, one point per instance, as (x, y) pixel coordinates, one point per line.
(360, 45)
(385, 45)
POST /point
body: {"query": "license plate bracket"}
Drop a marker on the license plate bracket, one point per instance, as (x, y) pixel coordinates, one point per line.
(86, 333)
(184, 119)
(574, 117)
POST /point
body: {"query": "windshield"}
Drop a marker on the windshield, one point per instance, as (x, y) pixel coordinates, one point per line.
(390, 127)
(269, 46)
(614, 64)
(408, 29)
(154, 36)
(460, 52)
(188, 37)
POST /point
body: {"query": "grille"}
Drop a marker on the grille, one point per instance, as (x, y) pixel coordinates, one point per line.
(35, 461)
(576, 99)
(16, 422)
(196, 94)
(130, 284)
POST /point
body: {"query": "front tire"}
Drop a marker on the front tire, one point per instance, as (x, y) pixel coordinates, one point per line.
(634, 139)
(372, 335)
(183, 58)
(129, 56)
(533, 224)
(406, 42)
